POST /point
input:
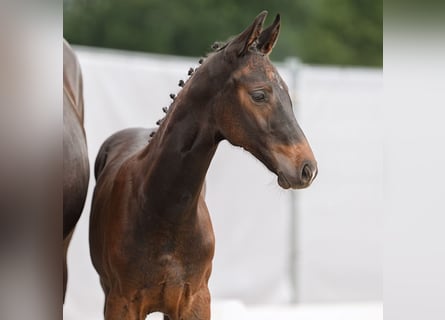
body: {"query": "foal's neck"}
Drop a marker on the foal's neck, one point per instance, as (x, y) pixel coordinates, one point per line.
(178, 157)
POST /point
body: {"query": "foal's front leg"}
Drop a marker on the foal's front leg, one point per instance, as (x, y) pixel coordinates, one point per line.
(200, 307)
(121, 308)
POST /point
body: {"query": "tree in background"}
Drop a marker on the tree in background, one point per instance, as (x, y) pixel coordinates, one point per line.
(345, 32)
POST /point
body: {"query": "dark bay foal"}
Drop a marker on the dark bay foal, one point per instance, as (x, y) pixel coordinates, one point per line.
(151, 237)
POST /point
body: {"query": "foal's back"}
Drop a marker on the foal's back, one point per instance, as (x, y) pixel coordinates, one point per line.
(119, 147)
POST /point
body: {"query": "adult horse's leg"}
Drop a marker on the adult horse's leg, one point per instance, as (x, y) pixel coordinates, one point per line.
(66, 243)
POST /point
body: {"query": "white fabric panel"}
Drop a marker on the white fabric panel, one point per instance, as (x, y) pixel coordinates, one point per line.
(338, 235)
(340, 216)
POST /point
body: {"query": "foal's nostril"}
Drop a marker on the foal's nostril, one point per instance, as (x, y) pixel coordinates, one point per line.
(306, 174)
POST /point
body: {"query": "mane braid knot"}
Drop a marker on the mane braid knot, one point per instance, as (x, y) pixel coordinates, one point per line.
(181, 83)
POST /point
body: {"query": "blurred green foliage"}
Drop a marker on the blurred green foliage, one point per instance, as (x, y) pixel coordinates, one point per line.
(344, 32)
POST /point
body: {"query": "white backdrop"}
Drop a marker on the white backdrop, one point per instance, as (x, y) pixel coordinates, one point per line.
(338, 230)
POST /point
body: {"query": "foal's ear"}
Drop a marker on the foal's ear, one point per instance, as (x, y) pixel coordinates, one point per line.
(241, 43)
(268, 37)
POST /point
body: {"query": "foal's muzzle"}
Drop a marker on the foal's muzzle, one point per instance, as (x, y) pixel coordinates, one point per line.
(295, 165)
(298, 179)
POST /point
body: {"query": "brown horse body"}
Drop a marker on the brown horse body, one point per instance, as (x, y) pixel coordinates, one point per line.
(76, 171)
(151, 237)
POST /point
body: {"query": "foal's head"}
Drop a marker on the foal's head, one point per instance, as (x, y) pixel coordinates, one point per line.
(253, 109)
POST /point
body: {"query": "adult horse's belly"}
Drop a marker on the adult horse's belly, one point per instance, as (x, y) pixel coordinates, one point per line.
(75, 167)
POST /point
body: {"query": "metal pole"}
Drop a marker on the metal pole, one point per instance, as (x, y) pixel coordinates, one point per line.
(293, 65)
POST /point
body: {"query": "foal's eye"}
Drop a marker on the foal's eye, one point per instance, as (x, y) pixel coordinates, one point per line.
(258, 96)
